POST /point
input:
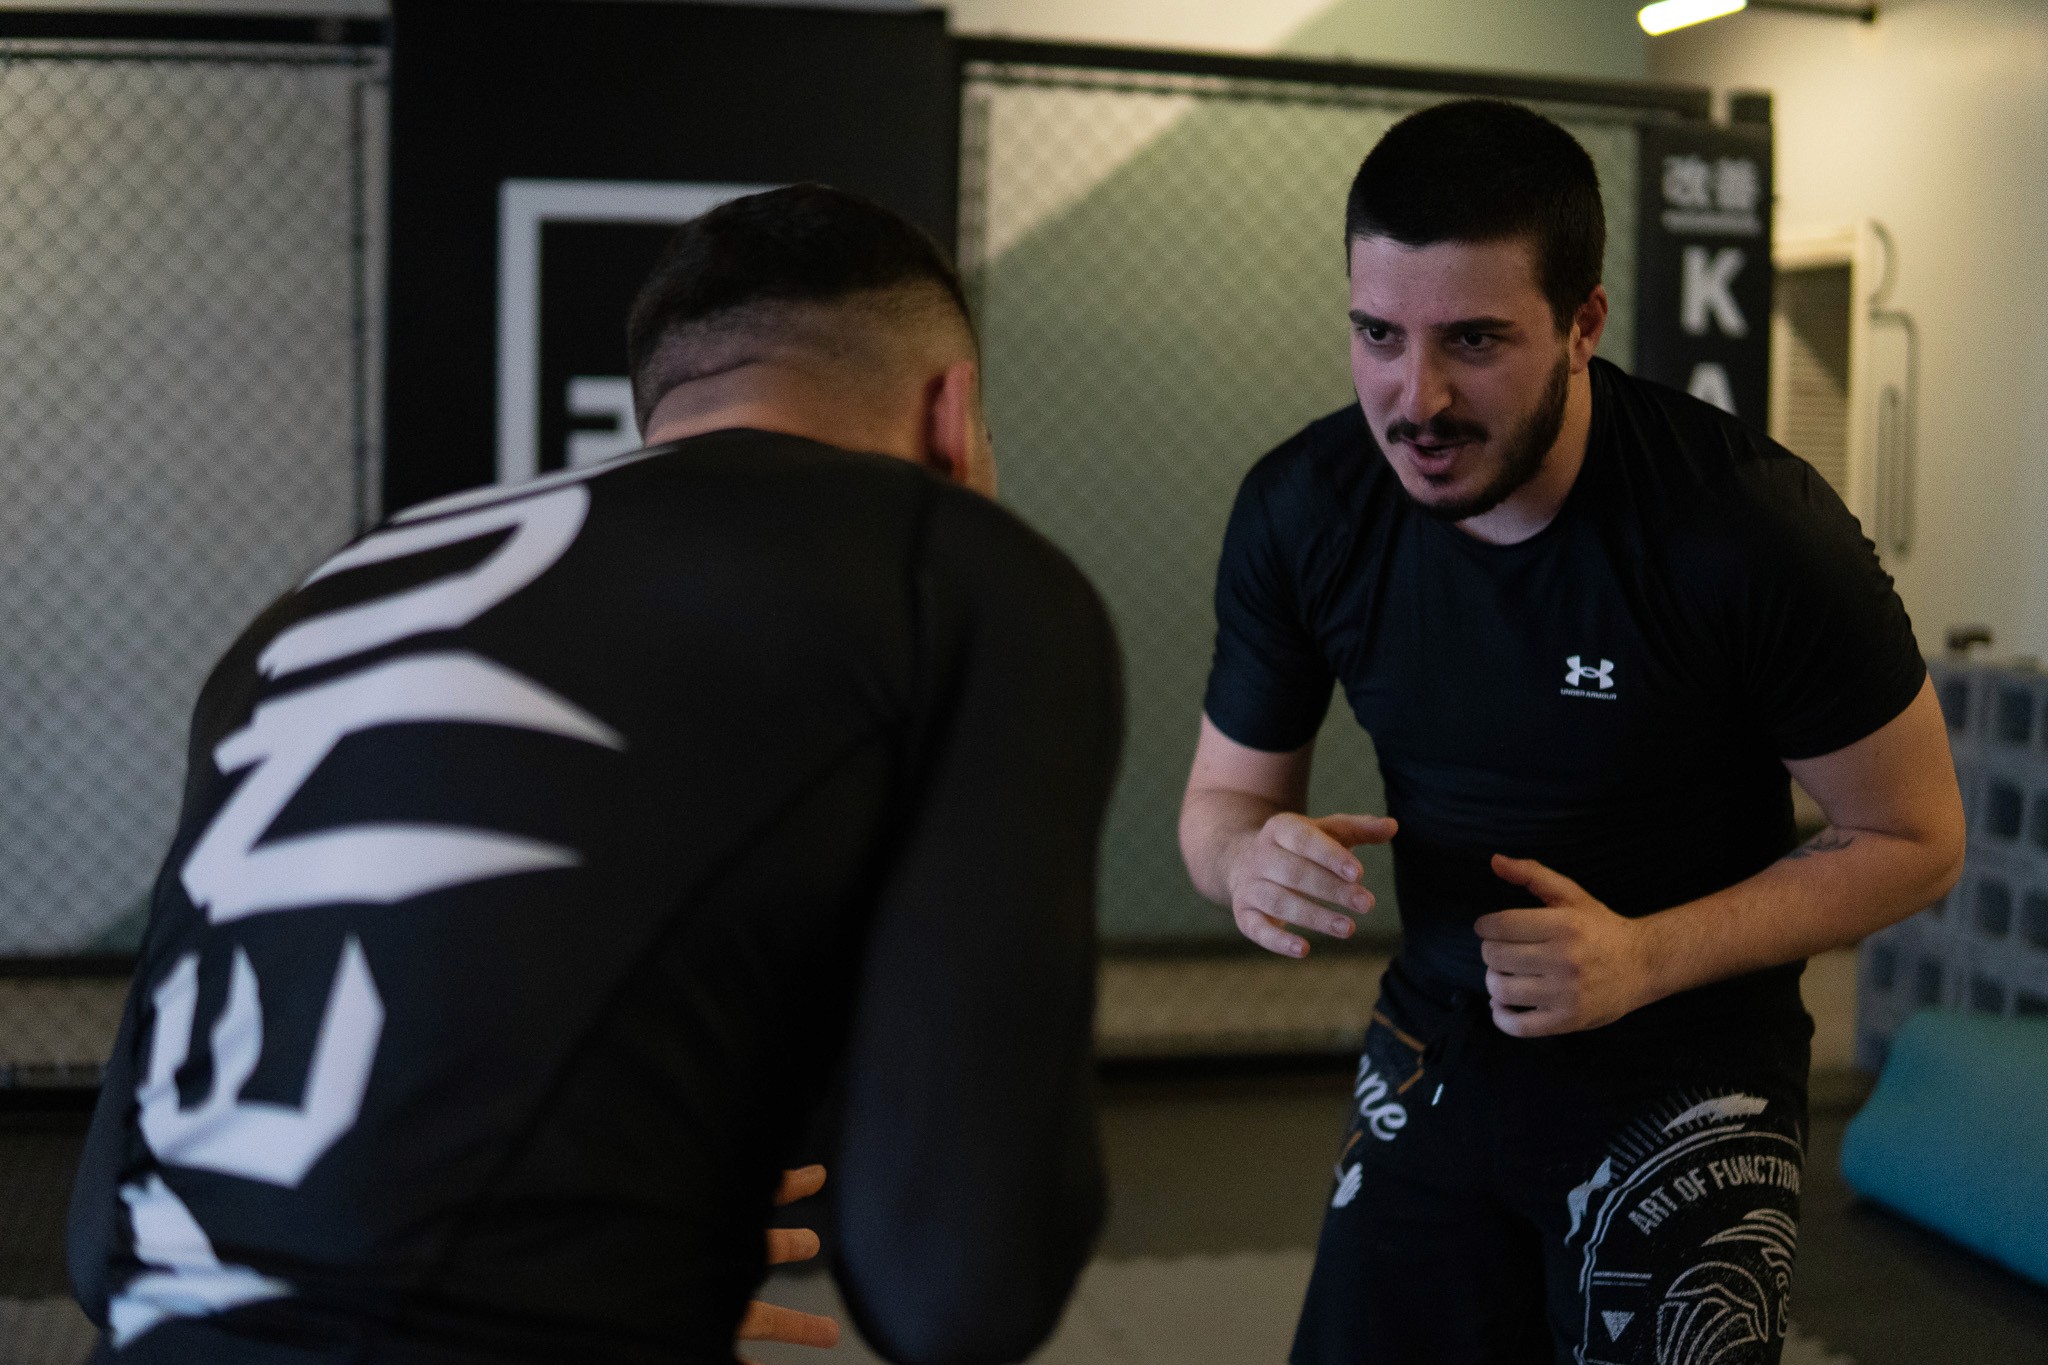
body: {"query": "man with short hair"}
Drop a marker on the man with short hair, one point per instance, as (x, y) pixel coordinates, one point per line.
(1591, 624)
(552, 851)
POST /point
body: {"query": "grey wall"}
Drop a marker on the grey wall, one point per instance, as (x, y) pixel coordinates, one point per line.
(1934, 121)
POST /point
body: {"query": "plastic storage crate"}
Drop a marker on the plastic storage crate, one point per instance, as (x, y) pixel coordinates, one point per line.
(1984, 947)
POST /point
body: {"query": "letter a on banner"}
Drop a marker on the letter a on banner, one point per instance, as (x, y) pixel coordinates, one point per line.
(1709, 384)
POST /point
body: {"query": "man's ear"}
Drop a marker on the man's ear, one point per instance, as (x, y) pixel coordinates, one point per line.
(950, 410)
(1587, 325)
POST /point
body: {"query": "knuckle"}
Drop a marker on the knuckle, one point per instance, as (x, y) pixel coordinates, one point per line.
(1283, 866)
(1292, 908)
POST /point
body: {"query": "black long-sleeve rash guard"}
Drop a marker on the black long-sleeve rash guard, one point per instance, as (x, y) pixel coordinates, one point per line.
(544, 859)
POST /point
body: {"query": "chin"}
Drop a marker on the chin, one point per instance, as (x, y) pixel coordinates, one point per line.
(1453, 500)
(1434, 493)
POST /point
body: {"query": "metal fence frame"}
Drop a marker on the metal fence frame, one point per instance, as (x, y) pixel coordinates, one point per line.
(1287, 79)
(363, 45)
(228, 40)
(990, 66)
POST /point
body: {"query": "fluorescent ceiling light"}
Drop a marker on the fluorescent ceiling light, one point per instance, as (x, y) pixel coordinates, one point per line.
(1667, 15)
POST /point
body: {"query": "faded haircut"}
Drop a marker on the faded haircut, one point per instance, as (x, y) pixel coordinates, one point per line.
(805, 267)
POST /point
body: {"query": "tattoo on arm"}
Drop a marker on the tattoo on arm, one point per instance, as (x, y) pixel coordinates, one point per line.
(1827, 841)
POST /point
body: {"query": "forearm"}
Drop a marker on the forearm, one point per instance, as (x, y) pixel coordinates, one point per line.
(1214, 824)
(1831, 892)
(962, 1236)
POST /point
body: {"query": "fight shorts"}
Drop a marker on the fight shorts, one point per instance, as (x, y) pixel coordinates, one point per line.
(1623, 1196)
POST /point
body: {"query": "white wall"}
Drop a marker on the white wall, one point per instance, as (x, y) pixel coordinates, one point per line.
(1590, 38)
(1217, 25)
(1934, 121)
(1593, 39)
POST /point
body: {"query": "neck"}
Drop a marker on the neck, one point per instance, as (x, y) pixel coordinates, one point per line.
(764, 397)
(1535, 504)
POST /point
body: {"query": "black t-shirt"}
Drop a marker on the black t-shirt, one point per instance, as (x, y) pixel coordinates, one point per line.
(548, 855)
(1613, 697)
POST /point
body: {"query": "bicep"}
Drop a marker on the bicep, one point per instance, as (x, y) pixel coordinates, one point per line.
(1826, 654)
(1224, 765)
(1269, 682)
(1898, 780)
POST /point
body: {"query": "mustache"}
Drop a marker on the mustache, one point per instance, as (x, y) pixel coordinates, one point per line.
(1438, 430)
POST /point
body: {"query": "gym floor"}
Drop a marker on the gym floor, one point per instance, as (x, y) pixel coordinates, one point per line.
(1218, 1177)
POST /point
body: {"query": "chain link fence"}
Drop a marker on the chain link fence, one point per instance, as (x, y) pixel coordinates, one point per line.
(1158, 262)
(185, 335)
(187, 241)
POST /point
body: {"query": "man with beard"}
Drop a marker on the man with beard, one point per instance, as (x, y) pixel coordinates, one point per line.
(1590, 624)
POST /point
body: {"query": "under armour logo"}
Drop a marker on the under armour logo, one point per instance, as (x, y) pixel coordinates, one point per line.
(1578, 674)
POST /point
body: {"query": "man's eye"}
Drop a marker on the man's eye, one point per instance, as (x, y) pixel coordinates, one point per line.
(1375, 332)
(1475, 341)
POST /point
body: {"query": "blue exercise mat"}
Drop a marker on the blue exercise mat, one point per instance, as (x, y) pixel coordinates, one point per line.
(1956, 1135)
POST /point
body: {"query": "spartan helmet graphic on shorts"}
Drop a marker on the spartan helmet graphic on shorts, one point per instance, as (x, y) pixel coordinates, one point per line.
(1720, 1310)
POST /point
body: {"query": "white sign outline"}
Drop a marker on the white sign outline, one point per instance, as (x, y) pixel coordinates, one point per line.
(523, 207)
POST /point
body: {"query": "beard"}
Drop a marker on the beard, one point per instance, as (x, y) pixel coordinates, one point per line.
(1521, 460)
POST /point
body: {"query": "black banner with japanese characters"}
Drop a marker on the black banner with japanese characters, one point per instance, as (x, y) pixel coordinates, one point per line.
(1703, 263)
(542, 151)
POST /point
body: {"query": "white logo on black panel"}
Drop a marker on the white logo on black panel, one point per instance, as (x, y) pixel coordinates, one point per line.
(525, 207)
(1582, 679)
(1720, 197)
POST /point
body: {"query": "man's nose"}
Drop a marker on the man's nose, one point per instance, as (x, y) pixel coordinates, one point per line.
(1425, 390)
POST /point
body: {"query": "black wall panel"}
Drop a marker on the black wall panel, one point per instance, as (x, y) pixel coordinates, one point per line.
(1703, 263)
(633, 92)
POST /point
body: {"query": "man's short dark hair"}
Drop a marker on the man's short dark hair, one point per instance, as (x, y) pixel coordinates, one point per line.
(761, 258)
(1487, 171)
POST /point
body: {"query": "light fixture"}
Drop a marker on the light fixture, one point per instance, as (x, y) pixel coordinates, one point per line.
(1667, 15)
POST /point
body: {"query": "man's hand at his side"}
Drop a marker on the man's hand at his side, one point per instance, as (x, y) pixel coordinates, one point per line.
(1571, 964)
(1894, 845)
(1293, 869)
(771, 1322)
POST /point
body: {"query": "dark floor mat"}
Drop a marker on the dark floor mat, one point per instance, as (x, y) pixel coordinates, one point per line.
(1236, 1164)
(38, 1153)
(1883, 1290)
